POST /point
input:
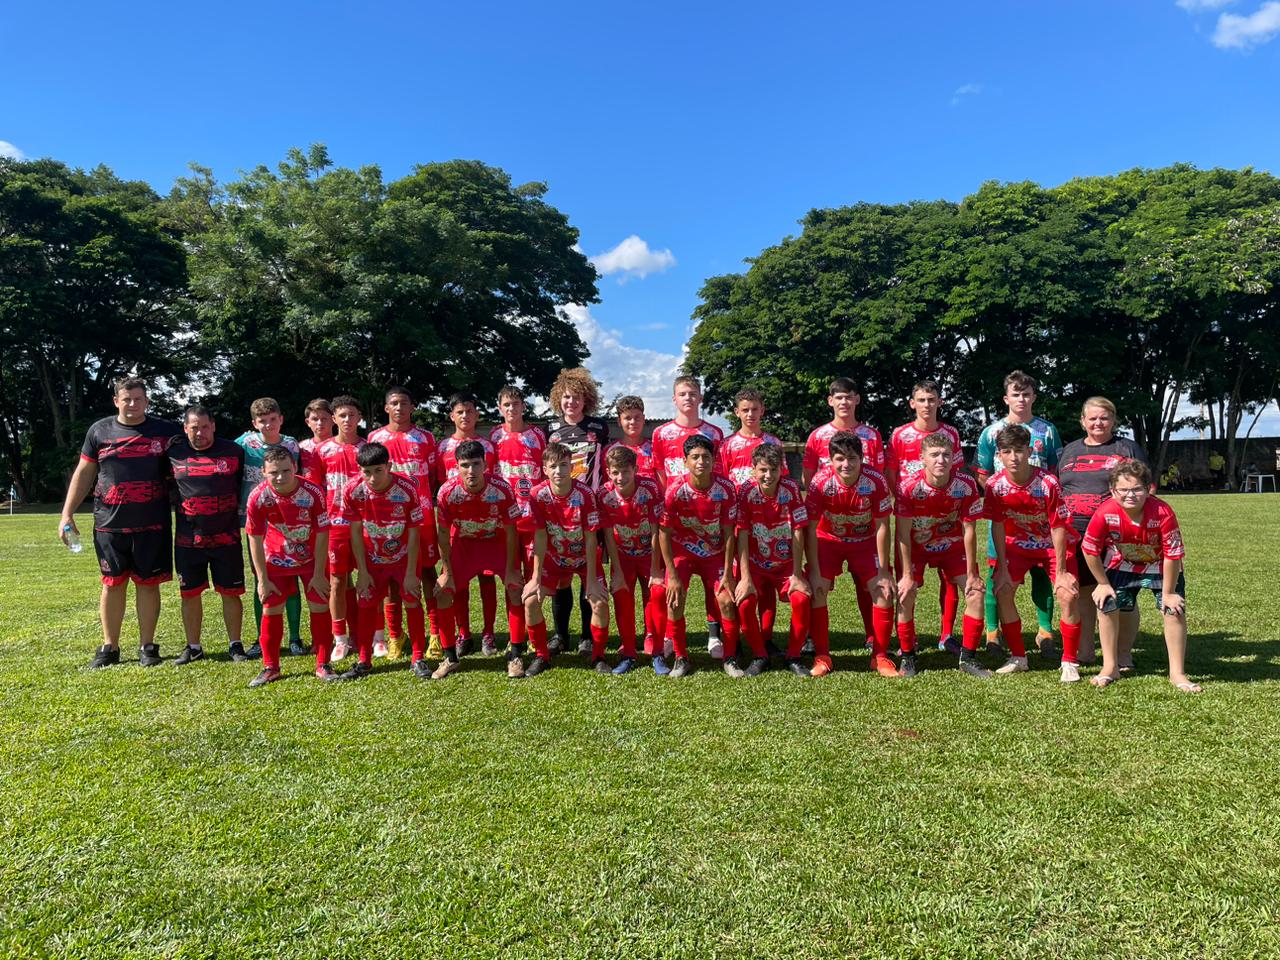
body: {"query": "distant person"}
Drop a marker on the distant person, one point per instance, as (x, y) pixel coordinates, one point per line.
(1217, 469)
(631, 421)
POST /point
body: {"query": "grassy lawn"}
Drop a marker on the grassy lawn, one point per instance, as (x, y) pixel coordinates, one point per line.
(174, 812)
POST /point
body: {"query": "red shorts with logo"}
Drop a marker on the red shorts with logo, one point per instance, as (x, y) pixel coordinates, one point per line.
(710, 569)
(555, 576)
(473, 557)
(860, 557)
(950, 564)
(286, 581)
(428, 544)
(341, 560)
(779, 579)
(1020, 564)
(384, 574)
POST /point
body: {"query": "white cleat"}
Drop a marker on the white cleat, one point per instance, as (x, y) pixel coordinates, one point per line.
(1013, 665)
(341, 647)
(1070, 673)
(715, 647)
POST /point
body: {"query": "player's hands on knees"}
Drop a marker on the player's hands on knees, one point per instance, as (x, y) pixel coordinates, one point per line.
(907, 585)
(1174, 605)
(596, 594)
(266, 589)
(412, 586)
(744, 589)
(513, 581)
(675, 594)
(617, 582)
(320, 585)
(1002, 582)
(1102, 593)
(798, 584)
(1067, 586)
(884, 585)
(531, 591)
(444, 583)
(973, 586)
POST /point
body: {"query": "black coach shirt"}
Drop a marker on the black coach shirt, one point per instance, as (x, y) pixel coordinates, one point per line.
(1084, 473)
(585, 440)
(208, 483)
(131, 493)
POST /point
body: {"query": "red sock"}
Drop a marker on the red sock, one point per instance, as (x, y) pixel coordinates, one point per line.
(750, 621)
(949, 597)
(462, 611)
(432, 619)
(538, 640)
(364, 633)
(865, 606)
(882, 627)
(599, 641)
(624, 609)
(489, 602)
(444, 620)
(272, 634)
(820, 629)
(1070, 641)
(658, 610)
(767, 607)
(801, 617)
(415, 620)
(353, 612)
(972, 632)
(1012, 633)
(729, 634)
(321, 637)
(907, 636)
(515, 622)
(379, 617)
(339, 626)
(676, 634)
(391, 617)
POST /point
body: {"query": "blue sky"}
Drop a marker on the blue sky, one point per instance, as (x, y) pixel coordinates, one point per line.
(703, 130)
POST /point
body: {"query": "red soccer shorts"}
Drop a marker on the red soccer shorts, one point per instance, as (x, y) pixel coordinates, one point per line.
(555, 576)
(1020, 563)
(384, 574)
(473, 557)
(428, 545)
(780, 579)
(834, 555)
(950, 564)
(341, 560)
(710, 569)
(286, 581)
(635, 569)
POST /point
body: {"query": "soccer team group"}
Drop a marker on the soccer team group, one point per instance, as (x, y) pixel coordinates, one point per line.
(372, 531)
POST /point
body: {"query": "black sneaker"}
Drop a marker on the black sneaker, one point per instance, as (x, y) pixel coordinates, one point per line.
(149, 655)
(105, 657)
(421, 669)
(189, 654)
(679, 669)
(536, 666)
(555, 645)
(808, 649)
(465, 645)
(757, 666)
(357, 672)
(297, 648)
(772, 652)
(254, 652)
(907, 668)
(268, 675)
(584, 647)
(601, 665)
(236, 650)
(974, 669)
(798, 668)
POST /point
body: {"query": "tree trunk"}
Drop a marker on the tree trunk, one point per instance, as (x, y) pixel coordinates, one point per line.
(55, 408)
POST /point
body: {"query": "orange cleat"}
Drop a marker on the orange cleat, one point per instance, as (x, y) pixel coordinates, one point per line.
(884, 666)
(822, 665)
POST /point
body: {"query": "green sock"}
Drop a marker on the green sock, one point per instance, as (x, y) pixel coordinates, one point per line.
(990, 608)
(293, 613)
(257, 612)
(1042, 598)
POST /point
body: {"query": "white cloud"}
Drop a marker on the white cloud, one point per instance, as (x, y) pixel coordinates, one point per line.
(1197, 6)
(633, 258)
(623, 369)
(10, 152)
(1244, 33)
(966, 90)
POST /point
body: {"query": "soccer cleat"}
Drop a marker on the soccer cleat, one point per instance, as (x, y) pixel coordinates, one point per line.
(679, 669)
(772, 652)
(732, 669)
(105, 657)
(798, 668)
(236, 652)
(1013, 665)
(994, 642)
(951, 645)
(395, 647)
(515, 668)
(1044, 641)
(465, 645)
(600, 666)
(297, 648)
(189, 654)
(715, 648)
(713, 630)
(625, 665)
(434, 650)
(536, 666)
(884, 666)
(1069, 673)
(757, 666)
(445, 668)
(488, 645)
(868, 644)
(149, 654)
(421, 669)
(268, 675)
(974, 669)
(808, 648)
(358, 671)
(341, 647)
(326, 673)
(379, 648)
(668, 647)
(908, 666)
(584, 647)
(255, 651)
(821, 666)
(555, 645)
(660, 667)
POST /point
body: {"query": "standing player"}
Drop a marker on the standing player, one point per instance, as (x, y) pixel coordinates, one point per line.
(631, 513)
(734, 460)
(697, 537)
(843, 397)
(288, 529)
(384, 519)
(1031, 526)
(1133, 544)
(123, 462)
(566, 523)
(771, 549)
(477, 515)
(334, 468)
(318, 415)
(207, 472)
(1020, 397)
(267, 421)
(631, 422)
(936, 512)
(849, 506)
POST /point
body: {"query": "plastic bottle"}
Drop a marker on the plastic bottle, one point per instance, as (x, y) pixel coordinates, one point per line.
(73, 538)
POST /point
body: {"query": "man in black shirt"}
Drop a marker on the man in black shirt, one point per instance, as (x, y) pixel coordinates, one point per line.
(123, 460)
(207, 473)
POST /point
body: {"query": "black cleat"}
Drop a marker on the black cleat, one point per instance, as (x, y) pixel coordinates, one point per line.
(757, 666)
(798, 668)
(465, 645)
(679, 669)
(601, 665)
(105, 657)
(189, 654)
(297, 648)
(236, 651)
(536, 666)
(584, 647)
(907, 668)
(808, 648)
(149, 655)
(357, 672)
(254, 652)
(772, 652)
(421, 669)
(555, 646)
(974, 669)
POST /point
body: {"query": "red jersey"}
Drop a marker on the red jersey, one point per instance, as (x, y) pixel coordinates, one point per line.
(903, 458)
(668, 448)
(386, 518)
(847, 513)
(633, 519)
(287, 524)
(306, 454)
(333, 466)
(566, 520)
(447, 460)
(771, 523)
(413, 455)
(476, 516)
(520, 464)
(937, 516)
(644, 456)
(817, 449)
(1029, 512)
(1134, 547)
(695, 517)
(734, 458)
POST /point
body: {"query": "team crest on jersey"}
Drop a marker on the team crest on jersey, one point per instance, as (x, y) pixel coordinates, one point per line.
(157, 446)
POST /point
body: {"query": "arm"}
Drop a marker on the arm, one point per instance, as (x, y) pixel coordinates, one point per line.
(364, 579)
(512, 577)
(533, 589)
(258, 555)
(82, 480)
(884, 554)
(411, 584)
(616, 579)
(1001, 576)
(1061, 574)
(444, 579)
(902, 528)
(730, 550)
(675, 589)
(1173, 603)
(745, 587)
(656, 572)
(799, 549)
(819, 584)
(319, 579)
(593, 578)
(973, 581)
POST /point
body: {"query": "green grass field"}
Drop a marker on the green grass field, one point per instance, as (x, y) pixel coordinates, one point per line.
(174, 812)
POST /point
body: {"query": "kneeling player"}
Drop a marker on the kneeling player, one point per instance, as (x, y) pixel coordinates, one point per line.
(1031, 529)
(385, 517)
(697, 537)
(771, 550)
(1133, 544)
(631, 511)
(288, 530)
(936, 516)
(849, 507)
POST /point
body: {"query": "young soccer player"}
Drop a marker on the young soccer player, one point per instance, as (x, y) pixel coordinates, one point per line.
(464, 414)
(288, 529)
(631, 422)
(1133, 544)
(334, 468)
(849, 506)
(1031, 526)
(566, 523)
(1020, 397)
(267, 422)
(936, 512)
(843, 397)
(476, 523)
(318, 415)
(631, 513)
(734, 460)
(697, 537)
(771, 550)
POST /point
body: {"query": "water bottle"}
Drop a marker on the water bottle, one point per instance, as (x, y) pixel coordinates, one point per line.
(73, 538)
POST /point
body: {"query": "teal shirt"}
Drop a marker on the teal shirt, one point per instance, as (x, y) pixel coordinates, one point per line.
(1046, 445)
(254, 447)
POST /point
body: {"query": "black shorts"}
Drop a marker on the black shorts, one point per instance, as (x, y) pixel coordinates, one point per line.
(145, 557)
(196, 565)
(1083, 573)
